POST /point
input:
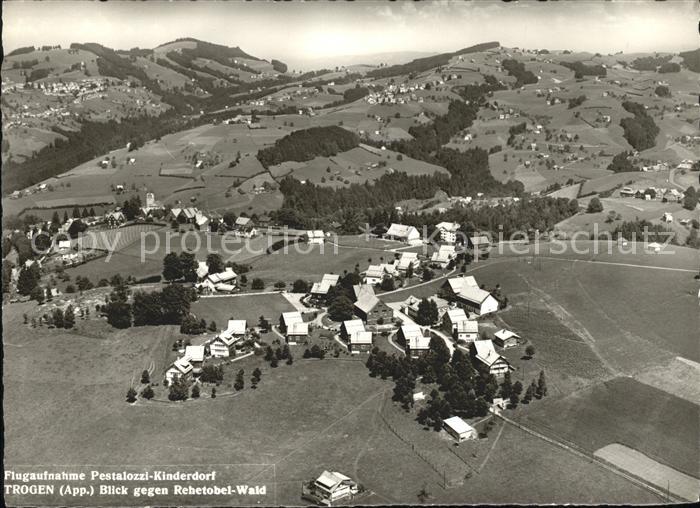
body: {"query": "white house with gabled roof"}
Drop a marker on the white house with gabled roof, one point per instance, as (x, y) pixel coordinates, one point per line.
(403, 233)
(484, 352)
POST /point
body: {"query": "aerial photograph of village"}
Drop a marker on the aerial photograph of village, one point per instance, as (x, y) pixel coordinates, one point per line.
(350, 253)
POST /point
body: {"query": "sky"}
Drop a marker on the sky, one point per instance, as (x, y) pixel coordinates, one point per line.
(300, 32)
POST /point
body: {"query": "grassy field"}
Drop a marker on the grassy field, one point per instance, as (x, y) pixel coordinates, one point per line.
(250, 308)
(625, 411)
(638, 464)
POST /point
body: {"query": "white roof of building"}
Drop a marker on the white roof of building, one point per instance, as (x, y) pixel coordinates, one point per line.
(366, 299)
(331, 480)
(457, 283)
(458, 425)
(292, 317)
(457, 315)
(359, 338)
(414, 337)
(327, 282)
(468, 327)
(443, 254)
(479, 240)
(234, 327)
(194, 353)
(402, 231)
(504, 334)
(225, 276)
(448, 226)
(315, 234)
(353, 325)
(474, 295)
(202, 269)
(407, 258)
(298, 329)
(183, 365)
(486, 352)
(242, 221)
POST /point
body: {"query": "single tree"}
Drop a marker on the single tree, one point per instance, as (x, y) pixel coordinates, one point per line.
(131, 396)
(530, 351)
(195, 392)
(69, 317)
(145, 377)
(147, 393)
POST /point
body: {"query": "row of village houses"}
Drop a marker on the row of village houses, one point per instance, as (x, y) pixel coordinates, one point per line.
(464, 302)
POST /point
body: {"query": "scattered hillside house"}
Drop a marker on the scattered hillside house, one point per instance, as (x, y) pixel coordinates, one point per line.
(459, 429)
(480, 243)
(484, 352)
(443, 256)
(627, 192)
(293, 326)
(245, 227)
(332, 486)
(654, 247)
(315, 237)
(410, 306)
(221, 346)
(668, 217)
(408, 261)
(180, 369)
(369, 308)
(358, 339)
(403, 233)
(414, 339)
(448, 231)
(320, 289)
(457, 324)
(115, 219)
(506, 338)
(375, 273)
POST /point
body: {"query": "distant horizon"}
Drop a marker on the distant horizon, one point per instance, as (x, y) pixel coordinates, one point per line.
(299, 33)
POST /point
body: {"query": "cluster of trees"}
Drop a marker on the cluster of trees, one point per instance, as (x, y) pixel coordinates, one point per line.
(212, 374)
(643, 230)
(580, 69)
(649, 63)
(594, 206)
(514, 130)
(518, 71)
(463, 389)
(314, 352)
(691, 59)
(279, 66)
(423, 64)
(21, 51)
(169, 306)
(63, 319)
(577, 101)
(662, 91)
(182, 266)
(690, 199)
(304, 145)
(669, 67)
(640, 131)
(277, 355)
(427, 312)
(621, 163)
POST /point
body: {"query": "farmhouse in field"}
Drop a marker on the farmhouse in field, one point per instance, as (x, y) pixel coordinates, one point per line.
(448, 231)
(332, 486)
(459, 429)
(353, 332)
(369, 308)
(221, 346)
(293, 326)
(375, 273)
(115, 219)
(403, 233)
(180, 369)
(469, 296)
(506, 338)
(443, 256)
(408, 262)
(244, 227)
(484, 352)
(194, 355)
(456, 323)
(414, 339)
(315, 237)
(320, 289)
